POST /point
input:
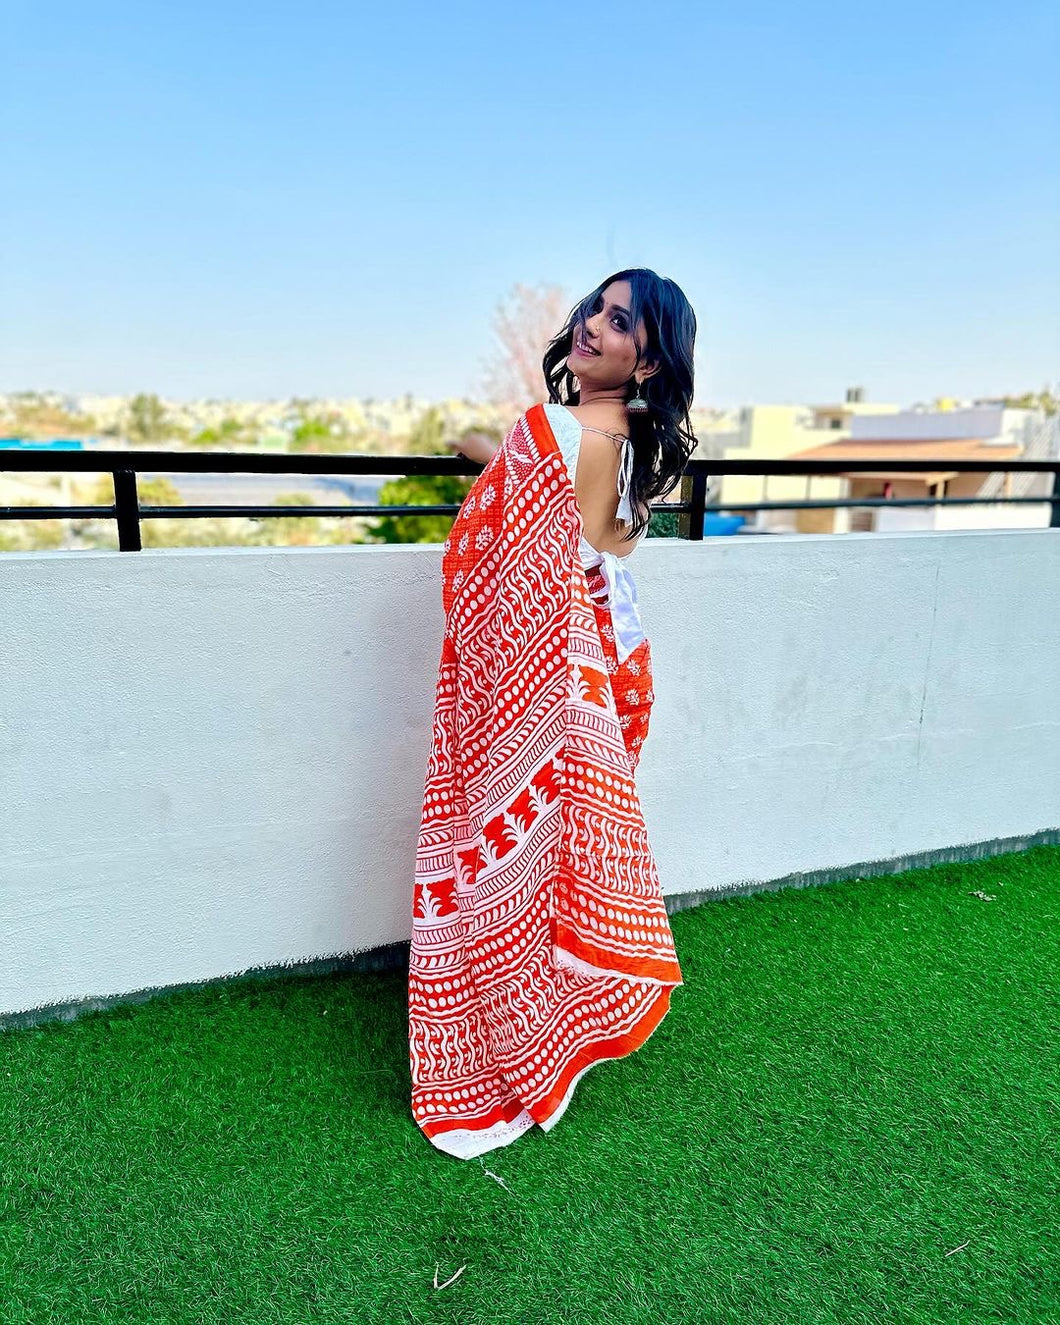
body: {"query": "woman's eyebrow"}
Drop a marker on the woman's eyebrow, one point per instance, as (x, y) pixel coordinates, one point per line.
(619, 309)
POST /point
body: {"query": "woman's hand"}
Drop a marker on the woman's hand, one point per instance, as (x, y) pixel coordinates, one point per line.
(477, 446)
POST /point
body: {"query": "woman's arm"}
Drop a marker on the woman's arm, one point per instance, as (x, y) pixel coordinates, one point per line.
(477, 446)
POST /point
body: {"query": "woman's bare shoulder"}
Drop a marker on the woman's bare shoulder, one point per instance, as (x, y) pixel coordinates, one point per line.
(594, 416)
(596, 477)
(600, 452)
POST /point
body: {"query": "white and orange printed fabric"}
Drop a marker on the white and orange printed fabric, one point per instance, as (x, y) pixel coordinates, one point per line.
(540, 942)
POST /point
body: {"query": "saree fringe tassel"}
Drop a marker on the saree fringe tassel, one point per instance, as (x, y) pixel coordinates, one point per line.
(540, 942)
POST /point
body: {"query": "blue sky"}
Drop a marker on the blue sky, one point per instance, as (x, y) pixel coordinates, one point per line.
(264, 200)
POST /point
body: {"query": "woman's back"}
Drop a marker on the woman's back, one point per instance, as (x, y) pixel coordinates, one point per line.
(598, 466)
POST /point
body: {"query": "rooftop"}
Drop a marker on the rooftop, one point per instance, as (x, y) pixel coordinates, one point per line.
(955, 449)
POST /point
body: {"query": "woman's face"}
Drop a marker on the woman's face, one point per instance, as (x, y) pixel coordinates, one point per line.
(603, 352)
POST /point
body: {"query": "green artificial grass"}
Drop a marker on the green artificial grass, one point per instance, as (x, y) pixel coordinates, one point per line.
(850, 1115)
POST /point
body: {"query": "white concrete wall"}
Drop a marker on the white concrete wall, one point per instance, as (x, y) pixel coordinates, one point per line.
(1031, 515)
(213, 760)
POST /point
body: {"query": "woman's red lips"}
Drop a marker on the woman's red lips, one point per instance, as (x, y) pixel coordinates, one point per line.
(583, 348)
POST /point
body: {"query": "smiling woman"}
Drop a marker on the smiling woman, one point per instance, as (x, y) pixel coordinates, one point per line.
(540, 942)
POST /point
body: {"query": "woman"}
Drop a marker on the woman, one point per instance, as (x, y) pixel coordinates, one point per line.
(540, 943)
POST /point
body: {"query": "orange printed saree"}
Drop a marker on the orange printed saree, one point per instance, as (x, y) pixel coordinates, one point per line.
(540, 943)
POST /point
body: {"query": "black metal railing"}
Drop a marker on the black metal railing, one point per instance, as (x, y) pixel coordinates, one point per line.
(125, 465)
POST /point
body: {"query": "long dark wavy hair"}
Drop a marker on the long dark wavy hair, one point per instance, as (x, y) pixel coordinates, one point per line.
(662, 439)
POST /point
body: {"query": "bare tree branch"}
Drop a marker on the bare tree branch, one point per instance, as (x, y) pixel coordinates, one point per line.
(523, 325)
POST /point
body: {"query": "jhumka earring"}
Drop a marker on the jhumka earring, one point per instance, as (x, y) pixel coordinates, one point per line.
(637, 405)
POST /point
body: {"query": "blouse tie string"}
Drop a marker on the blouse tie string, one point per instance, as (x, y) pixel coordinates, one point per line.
(625, 478)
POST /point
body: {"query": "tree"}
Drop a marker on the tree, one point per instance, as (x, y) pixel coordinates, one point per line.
(320, 433)
(159, 491)
(418, 490)
(146, 419)
(31, 535)
(524, 323)
(228, 433)
(426, 438)
(38, 418)
(309, 433)
(1043, 400)
(290, 530)
(663, 524)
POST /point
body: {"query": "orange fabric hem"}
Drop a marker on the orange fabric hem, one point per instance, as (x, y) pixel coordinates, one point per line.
(500, 1113)
(606, 959)
(619, 1046)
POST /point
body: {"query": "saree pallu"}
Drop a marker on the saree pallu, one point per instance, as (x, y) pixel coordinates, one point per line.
(540, 942)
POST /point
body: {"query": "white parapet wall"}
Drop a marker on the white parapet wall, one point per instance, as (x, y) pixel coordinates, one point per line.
(213, 760)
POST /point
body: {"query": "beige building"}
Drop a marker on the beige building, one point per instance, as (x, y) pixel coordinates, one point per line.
(779, 432)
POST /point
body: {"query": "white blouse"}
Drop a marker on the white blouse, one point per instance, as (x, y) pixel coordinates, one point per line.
(621, 587)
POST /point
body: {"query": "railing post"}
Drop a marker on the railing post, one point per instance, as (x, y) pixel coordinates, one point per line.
(1054, 510)
(127, 510)
(698, 498)
(694, 491)
(684, 520)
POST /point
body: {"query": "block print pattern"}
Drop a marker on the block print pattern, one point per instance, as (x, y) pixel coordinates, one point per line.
(540, 942)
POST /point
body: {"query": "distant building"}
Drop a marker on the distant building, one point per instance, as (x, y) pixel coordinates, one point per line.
(947, 436)
(778, 432)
